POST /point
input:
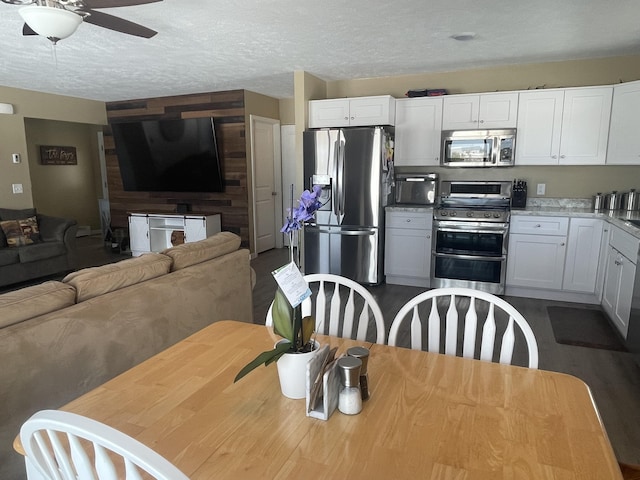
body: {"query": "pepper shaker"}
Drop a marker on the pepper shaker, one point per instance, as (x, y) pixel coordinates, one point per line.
(349, 398)
(363, 354)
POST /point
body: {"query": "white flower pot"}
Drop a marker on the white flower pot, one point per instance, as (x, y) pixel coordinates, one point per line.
(292, 371)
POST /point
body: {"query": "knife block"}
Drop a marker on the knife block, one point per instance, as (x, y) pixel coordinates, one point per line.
(519, 198)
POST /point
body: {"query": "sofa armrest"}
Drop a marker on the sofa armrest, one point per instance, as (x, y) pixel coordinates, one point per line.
(55, 229)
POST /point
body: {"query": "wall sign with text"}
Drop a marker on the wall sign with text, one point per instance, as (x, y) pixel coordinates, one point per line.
(50, 155)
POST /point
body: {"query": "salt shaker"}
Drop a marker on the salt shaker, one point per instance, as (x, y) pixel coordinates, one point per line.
(363, 354)
(349, 398)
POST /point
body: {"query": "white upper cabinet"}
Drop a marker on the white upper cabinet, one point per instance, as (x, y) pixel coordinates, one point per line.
(563, 127)
(539, 126)
(418, 131)
(624, 141)
(352, 112)
(483, 111)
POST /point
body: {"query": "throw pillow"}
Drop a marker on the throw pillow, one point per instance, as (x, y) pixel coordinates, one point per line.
(21, 232)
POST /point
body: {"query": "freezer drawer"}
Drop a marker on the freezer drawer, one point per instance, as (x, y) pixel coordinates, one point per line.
(355, 254)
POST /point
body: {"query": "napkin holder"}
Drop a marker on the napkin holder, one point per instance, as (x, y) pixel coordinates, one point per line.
(328, 397)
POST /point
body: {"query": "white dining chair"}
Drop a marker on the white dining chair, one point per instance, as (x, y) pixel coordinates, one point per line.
(349, 301)
(64, 446)
(494, 325)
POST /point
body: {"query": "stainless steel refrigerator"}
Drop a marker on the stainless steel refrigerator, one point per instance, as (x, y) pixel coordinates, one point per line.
(354, 166)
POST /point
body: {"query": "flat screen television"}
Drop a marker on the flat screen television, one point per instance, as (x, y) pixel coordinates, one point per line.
(168, 155)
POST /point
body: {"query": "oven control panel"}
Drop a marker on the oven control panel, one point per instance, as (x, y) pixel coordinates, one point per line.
(462, 214)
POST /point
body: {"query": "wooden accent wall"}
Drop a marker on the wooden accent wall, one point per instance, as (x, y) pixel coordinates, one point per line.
(227, 109)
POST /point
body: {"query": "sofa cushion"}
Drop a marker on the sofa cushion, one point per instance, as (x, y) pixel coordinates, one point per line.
(197, 252)
(21, 232)
(30, 302)
(11, 214)
(41, 251)
(9, 256)
(92, 282)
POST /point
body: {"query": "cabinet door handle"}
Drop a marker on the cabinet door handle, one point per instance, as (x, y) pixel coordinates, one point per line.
(562, 156)
(617, 262)
(554, 156)
(481, 121)
(538, 225)
(428, 236)
(562, 244)
(409, 220)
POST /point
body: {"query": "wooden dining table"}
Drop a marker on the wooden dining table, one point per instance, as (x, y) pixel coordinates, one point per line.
(430, 416)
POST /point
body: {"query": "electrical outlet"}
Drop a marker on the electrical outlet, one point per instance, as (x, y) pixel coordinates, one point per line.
(17, 187)
(541, 189)
(15, 158)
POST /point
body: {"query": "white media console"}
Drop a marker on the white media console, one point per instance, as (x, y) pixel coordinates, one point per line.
(149, 232)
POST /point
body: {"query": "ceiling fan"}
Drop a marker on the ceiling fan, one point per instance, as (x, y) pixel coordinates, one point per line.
(58, 19)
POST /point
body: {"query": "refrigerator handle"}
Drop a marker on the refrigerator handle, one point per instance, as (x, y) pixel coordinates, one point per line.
(340, 177)
(335, 184)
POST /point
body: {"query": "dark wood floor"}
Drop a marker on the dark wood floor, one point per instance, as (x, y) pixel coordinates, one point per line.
(614, 377)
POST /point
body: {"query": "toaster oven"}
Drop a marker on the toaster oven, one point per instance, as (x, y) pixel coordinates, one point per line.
(416, 188)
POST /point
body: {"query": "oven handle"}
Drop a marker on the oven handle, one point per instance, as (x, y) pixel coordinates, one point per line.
(471, 257)
(484, 229)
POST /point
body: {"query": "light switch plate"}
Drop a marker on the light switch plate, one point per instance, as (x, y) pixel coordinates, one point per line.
(542, 188)
(17, 187)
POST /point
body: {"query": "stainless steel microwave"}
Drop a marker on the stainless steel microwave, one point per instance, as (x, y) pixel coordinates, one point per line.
(478, 148)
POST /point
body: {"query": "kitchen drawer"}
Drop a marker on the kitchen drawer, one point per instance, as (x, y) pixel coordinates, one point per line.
(536, 225)
(625, 243)
(410, 220)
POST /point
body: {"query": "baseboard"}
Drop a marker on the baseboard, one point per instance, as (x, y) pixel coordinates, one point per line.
(407, 281)
(588, 298)
(83, 231)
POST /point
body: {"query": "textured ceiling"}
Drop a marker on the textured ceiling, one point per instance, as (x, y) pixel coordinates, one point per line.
(212, 45)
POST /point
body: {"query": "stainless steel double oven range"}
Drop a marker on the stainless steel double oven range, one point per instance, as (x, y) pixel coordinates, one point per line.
(471, 231)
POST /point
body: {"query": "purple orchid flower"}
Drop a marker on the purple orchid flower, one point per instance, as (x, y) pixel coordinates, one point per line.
(308, 204)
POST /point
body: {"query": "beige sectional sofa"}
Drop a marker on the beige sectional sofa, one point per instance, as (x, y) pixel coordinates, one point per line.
(59, 340)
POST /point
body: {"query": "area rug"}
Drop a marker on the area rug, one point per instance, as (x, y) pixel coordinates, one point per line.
(584, 328)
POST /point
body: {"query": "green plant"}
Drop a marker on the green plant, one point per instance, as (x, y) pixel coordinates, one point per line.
(289, 324)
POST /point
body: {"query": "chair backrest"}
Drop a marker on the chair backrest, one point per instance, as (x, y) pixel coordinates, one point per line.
(61, 445)
(347, 299)
(469, 335)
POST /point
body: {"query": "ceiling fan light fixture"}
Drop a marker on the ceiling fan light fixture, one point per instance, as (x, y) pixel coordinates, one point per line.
(50, 22)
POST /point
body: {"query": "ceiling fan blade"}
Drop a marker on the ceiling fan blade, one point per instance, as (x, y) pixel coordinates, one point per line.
(116, 23)
(27, 30)
(115, 3)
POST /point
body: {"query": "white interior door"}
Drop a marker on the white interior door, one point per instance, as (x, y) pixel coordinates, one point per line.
(265, 151)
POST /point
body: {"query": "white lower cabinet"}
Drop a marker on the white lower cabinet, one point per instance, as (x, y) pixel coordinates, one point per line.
(557, 254)
(536, 252)
(408, 248)
(536, 261)
(602, 260)
(155, 232)
(619, 278)
(583, 253)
